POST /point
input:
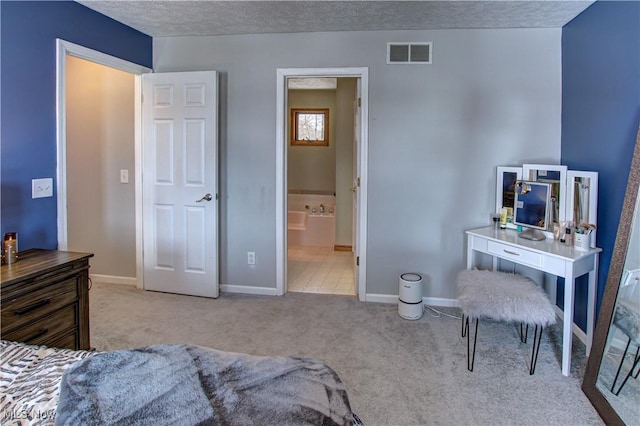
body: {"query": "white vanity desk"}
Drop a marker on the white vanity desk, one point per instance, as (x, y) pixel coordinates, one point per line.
(548, 256)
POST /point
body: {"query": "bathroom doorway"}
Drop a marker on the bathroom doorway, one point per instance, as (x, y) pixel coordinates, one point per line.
(320, 178)
(358, 184)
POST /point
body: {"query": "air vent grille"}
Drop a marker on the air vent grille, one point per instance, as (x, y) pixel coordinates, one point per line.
(409, 53)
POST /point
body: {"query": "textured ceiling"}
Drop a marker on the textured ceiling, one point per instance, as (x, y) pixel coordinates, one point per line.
(200, 18)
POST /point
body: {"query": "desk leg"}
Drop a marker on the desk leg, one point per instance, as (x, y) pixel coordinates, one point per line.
(567, 326)
(591, 302)
(470, 259)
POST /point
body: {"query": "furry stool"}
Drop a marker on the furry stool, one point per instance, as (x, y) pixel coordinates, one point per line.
(503, 297)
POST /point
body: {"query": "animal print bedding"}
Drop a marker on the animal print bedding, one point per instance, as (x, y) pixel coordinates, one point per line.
(30, 382)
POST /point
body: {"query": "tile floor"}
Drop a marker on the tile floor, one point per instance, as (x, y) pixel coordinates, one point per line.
(320, 270)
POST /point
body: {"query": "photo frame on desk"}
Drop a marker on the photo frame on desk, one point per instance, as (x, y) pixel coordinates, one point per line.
(506, 177)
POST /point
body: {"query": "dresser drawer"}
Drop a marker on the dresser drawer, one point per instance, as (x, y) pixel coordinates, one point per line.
(39, 332)
(69, 341)
(516, 254)
(20, 310)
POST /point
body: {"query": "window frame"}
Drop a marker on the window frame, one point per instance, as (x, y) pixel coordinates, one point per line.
(294, 126)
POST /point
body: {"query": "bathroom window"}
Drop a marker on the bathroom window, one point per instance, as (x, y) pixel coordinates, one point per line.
(310, 127)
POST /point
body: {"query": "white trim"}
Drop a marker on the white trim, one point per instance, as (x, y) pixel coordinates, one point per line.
(242, 289)
(281, 167)
(381, 298)
(429, 301)
(113, 279)
(440, 301)
(64, 48)
(281, 183)
(138, 177)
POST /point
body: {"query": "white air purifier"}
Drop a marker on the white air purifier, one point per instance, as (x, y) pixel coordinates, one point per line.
(410, 296)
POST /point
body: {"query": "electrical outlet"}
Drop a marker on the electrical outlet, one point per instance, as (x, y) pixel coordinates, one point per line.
(251, 258)
(124, 176)
(41, 188)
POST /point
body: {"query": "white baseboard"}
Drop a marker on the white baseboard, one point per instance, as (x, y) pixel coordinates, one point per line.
(243, 289)
(381, 298)
(440, 301)
(431, 301)
(576, 330)
(113, 279)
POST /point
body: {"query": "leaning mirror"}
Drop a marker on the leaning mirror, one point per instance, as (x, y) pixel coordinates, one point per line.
(611, 379)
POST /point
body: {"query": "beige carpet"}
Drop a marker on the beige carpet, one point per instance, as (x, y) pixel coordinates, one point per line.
(397, 372)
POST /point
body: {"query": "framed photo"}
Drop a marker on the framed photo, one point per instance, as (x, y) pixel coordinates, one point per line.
(506, 178)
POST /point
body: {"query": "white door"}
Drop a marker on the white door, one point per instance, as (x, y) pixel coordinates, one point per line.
(180, 185)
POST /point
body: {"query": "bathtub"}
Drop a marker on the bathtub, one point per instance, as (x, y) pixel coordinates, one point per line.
(307, 225)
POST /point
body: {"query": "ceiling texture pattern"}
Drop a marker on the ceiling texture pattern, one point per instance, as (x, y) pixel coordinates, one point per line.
(204, 18)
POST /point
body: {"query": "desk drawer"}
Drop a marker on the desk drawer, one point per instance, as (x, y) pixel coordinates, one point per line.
(23, 309)
(516, 254)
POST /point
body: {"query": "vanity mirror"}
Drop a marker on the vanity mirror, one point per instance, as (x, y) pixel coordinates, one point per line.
(506, 178)
(620, 299)
(582, 199)
(557, 177)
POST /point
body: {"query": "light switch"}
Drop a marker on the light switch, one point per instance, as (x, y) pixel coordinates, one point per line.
(41, 188)
(124, 176)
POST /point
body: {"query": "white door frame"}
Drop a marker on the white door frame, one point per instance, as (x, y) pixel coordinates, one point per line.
(64, 48)
(281, 168)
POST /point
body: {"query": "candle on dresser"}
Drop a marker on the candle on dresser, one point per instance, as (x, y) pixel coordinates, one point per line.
(10, 247)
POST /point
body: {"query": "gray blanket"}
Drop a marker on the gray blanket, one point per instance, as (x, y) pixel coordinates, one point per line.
(193, 385)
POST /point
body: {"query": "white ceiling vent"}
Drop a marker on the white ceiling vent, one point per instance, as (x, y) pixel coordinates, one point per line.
(409, 53)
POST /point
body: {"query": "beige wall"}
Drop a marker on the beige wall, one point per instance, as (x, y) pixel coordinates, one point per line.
(328, 168)
(345, 96)
(100, 142)
(313, 167)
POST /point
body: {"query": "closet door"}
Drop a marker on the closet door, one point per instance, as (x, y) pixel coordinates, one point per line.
(180, 182)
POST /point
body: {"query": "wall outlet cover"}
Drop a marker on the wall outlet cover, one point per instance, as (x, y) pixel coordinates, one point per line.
(41, 188)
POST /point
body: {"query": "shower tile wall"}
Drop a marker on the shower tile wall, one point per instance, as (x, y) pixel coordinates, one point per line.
(320, 270)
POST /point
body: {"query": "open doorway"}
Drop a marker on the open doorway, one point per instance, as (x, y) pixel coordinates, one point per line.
(320, 175)
(74, 168)
(326, 193)
(100, 167)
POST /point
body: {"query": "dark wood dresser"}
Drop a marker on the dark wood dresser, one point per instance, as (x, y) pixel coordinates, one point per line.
(45, 299)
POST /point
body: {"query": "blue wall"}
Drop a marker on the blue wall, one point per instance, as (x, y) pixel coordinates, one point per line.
(601, 113)
(28, 115)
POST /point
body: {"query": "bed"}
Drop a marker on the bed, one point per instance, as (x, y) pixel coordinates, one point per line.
(166, 384)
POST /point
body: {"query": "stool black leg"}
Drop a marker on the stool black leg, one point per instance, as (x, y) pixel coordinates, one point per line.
(463, 329)
(523, 337)
(636, 360)
(471, 358)
(535, 349)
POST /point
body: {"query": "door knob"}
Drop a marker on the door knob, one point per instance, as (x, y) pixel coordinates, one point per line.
(354, 188)
(207, 197)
